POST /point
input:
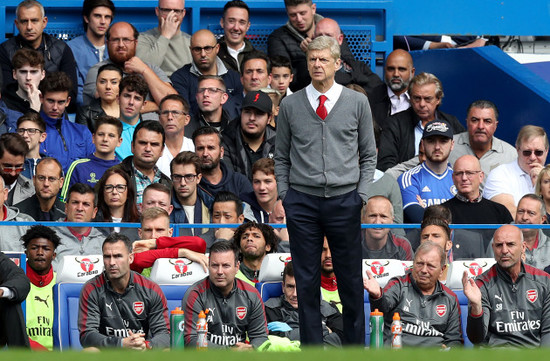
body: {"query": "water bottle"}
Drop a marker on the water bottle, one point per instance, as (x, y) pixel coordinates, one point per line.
(396, 331)
(376, 329)
(202, 331)
(176, 328)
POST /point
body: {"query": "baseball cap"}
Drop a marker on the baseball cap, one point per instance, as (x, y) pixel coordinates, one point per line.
(258, 100)
(438, 127)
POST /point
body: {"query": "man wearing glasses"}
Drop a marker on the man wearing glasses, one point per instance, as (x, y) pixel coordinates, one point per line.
(44, 205)
(13, 150)
(122, 39)
(191, 202)
(33, 129)
(174, 116)
(204, 50)
(402, 132)
(211, 96)
(507, 183)
(166, 45)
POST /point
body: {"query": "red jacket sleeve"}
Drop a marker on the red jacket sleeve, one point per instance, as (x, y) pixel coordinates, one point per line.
(192, 243)
(146, 259)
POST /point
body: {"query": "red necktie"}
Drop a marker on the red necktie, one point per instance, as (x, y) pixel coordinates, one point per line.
(321, 110)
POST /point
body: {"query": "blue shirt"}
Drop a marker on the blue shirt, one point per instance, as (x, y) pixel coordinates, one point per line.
(86, 55)
(421, 186)
(125, 149)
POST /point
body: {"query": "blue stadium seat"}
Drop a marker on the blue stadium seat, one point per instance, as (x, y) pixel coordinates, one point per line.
(269, 289)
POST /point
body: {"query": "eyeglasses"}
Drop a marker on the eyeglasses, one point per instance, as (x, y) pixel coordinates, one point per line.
(8, 168)
(468, 173)
(175, 113)
(120, 188)
(207, 49)
(31, 131)
(42, 179)
(166, 11)
(210, 90)
(125, 41)
(188, 177)
(527, 153)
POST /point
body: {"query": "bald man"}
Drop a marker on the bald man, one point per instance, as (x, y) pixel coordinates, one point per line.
(509, 304)
(392, 97)
(204, 51)
(468, 206)
(123, 53)
(352, 71)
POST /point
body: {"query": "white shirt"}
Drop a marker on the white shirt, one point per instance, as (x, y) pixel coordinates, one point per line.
(235, 53)
(333, 94)
(398, 102)
(164, 161)
(510, 179)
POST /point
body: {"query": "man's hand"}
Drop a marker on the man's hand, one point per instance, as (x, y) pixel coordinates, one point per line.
(135, 341)
(241, 346)
(473, 293)
(143, 245)
(135, 66)
(534, 172)
(371, 286)
(305, 43)
(224, 233)
(34, 97)
(170, 25)
(437, 45)
(200, 258)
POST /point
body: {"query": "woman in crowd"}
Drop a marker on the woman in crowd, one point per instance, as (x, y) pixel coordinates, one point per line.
(107, 81)
(542, 188)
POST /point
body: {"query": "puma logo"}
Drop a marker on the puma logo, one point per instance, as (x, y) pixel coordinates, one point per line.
(37, 298)
(109, 305)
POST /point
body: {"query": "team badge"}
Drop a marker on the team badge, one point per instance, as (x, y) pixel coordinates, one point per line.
(285, 260)
(475, 269)
(179, 265)
(86, 264)
(241, 313)
(138, 308)
(532, 295)
(377, 267)
(441, 310)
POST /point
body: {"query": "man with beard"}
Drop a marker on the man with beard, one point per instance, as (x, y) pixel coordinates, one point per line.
(329, 286)
(392, 97)
(191, 202)
(204, 50)
(254, 240)
(13, 149)
(216, 175)
(479, 139)
(40, 243)
(44, 204)
(250, 139)
(122, 39)
(430, 182)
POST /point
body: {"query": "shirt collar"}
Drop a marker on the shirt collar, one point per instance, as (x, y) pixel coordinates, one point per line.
(466, 200)
(331, 94)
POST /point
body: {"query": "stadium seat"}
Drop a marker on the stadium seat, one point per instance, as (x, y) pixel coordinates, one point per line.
(65, 325)
(272, 267)
(176, 271)
(269, 289)
(174, 294)
(79, 269)
(474, 267)
(384, 269)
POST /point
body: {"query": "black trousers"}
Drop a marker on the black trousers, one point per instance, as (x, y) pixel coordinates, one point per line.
(309, 219)
(13, 331)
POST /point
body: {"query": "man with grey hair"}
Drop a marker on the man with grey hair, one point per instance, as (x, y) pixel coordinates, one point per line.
(479, 139)
(31, 20)
(324, 132)
(418, 296)
(402, 131)
(509, 304)
(507, 183)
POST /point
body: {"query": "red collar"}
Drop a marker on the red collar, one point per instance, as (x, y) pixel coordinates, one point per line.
(80, 236)
(329, 283)
(39, 280)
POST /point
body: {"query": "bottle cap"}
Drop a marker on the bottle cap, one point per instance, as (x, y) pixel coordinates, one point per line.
(396, 317)
(177, 311)
(202, 315)
(376, 313)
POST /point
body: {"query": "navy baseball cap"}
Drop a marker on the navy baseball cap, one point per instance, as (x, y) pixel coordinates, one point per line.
(438, 127)
(258, 100)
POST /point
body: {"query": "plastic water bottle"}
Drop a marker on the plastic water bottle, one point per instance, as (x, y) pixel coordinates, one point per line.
(202, 331)
(176, 327)
(396, 331)
(376, 329)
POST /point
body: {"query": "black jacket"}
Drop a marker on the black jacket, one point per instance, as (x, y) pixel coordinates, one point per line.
(227, 59)
(31, 207)
(380, 104)
(233, 144)
(57, 56)
(397, 142)
(88, 114)
(356, 72)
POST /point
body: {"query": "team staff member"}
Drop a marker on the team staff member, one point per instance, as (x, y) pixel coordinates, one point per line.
(121, 308)
(235, 309)
(324, 161)
(509, 305)
(429, 311)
